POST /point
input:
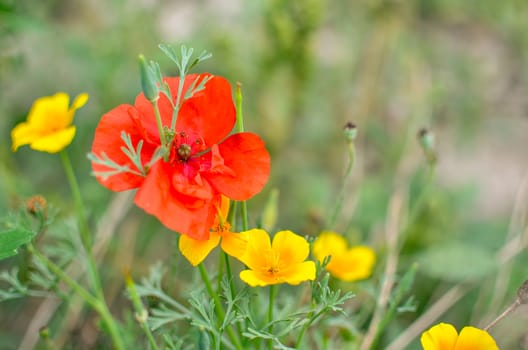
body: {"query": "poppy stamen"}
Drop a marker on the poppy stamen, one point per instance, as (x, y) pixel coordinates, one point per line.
(184, 151)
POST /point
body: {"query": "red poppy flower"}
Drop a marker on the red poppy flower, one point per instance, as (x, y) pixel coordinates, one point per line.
(184, 188)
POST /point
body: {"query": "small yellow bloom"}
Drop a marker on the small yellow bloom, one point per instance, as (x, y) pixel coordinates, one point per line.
(347, 264)
(195, 251)
(282, 261)
(444, 336)
(48, 127)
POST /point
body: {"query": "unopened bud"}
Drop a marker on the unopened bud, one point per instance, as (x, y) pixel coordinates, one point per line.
(148, 81)
(44, 332)
(36, 204)
(350, 132)
(426, 139)
(522, 293)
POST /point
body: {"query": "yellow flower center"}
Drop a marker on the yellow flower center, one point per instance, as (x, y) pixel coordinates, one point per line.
(273, 265)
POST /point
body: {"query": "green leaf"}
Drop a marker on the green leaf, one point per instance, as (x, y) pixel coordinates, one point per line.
(11, 239)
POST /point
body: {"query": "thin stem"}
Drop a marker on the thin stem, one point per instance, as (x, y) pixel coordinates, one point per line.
(220, 272)
(76, 287)
(95, 303)
(341, 197)
(272, 292)
(218, 305)
(229, 274)
(506, 312)
(177, 106)
(240, 128)
(239, 112)
(244, 213)
(83, 225)
(160, 124)
(141, 312)
(93, 273)
(311, 320)
(391, 234)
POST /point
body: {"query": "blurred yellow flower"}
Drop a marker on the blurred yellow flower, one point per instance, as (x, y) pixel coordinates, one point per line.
(444, 336)
(282, 261)
(48, 127)
(347, 264)
(195, 251)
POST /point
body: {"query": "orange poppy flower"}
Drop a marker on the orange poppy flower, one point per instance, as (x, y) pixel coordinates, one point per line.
(234, 244)
(444, 336)
(184, 188)
(282, 260)
(346, 263)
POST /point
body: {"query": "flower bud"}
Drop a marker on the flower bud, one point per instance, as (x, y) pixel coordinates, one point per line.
(426, 139)
(350, 132)
(522, 293)
(36, 204)
(148, 81)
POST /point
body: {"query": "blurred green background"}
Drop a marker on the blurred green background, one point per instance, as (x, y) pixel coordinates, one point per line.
(459, 68)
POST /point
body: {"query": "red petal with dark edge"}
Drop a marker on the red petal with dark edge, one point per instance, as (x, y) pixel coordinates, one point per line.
(108, 140)
(210, 113)
(157, 197)
(249, 161)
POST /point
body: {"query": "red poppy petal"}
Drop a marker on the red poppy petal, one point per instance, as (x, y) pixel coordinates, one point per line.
(108, 140)
(158, 197)
(247, 158)
(210, 113)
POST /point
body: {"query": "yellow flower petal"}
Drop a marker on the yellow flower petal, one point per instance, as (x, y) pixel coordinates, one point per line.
(49, 110)
(355, 264)
(443, 336)
(53, 143)
(235, 244)
(279, 262)
(48, 126)
(471, 338)
(196, 250)
(290, 247)
(258, 249)
(328, 243)
(22, 134)
(257, 279)
(299, 273)
(80, 101)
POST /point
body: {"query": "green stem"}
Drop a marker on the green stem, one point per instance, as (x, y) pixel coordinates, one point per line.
(160, 124)
(83, 225)
(272, 292)
(240, 128)
(239, 113)
(341, 198)
(141, 312)
(93, 273)
(177, 106)
(244, 212)
(311, 320)
(229, 274)
(218, 305)
(220, 272)
(95, 303)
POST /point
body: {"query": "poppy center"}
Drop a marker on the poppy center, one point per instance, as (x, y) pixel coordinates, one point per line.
(184, 151)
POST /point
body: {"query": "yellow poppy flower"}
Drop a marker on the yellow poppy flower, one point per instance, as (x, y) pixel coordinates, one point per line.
(195, 251)
(347, 264)
(48, 127)
(444, 336)
(282, 261)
